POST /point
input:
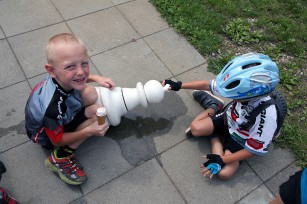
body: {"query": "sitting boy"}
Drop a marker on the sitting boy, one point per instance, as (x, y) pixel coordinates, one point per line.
(60, 112)
(248, 80)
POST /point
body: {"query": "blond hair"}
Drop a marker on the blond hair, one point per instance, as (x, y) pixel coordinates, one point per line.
(61, 38)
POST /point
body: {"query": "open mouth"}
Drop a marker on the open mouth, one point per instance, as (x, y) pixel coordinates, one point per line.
(79, 80)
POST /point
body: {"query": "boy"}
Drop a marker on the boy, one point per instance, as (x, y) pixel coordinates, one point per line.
(248, 80)
(60, 112)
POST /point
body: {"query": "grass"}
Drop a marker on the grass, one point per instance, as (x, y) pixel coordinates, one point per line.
(222, 29)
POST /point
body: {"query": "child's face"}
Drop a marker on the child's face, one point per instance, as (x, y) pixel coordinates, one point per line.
(70, 66)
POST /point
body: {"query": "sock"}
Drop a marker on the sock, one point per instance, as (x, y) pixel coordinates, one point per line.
(64, 151)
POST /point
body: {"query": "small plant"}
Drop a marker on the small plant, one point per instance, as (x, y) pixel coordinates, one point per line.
(240, 32)
(287, 75)
(215, 65)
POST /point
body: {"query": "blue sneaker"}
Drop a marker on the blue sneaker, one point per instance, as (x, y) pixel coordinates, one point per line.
(207, 100)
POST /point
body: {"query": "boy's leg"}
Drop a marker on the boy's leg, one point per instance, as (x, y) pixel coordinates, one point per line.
(89, 96)
(229, 169)
(62, 160)
(216, 146)
(202, 125)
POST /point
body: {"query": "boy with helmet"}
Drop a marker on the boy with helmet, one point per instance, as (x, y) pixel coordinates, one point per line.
(248, 80)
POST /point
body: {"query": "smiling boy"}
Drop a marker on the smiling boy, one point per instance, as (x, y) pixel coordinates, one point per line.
(60, 112)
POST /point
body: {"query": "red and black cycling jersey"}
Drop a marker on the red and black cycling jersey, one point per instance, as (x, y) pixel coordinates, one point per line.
(49, 109)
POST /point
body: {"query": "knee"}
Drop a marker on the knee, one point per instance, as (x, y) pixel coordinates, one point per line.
(197, 131)
(225, 175)
(89, 96)
(194, 130)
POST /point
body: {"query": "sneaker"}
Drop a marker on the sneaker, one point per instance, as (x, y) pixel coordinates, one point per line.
(207, 100)
(67, 168)
(5, 197)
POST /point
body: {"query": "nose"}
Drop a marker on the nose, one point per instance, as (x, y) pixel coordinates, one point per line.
(80, 70)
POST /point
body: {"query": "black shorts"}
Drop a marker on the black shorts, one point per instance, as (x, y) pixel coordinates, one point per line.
(70, 127)
(78, 119)
(290, 191)
(221, 129)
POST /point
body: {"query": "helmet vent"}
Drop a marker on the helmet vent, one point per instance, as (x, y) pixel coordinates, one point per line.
(233, 84)
(251, 65)
(227, 67)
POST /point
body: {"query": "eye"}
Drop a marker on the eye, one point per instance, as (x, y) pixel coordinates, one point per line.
(70, 67)
(85, 64)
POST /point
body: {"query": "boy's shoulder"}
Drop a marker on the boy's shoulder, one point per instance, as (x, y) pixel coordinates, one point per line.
(272, 102)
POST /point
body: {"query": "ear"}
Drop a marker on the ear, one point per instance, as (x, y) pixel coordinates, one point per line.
(50, 70)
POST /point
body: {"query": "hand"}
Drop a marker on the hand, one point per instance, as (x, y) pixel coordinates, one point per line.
(174, 86)
(106, 82)
(98, 130)
(213, 165)
(206, 172)
(215, 158)
(103, 81)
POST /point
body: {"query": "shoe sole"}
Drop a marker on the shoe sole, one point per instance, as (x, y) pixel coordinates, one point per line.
(61, 175)
(208, 92)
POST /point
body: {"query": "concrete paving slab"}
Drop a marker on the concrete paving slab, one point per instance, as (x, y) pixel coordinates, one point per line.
(12, 113)
(283, 176)
(163, 125)
(80, 7)
(1, 34)
(103, 30)
(30, 181)
(176, 53)
(117, 2)
(12, 131)
(135, 61)
(147, 20)
(276, 160)
(10, 70)
(102, 162)
(182, 164)
(134, 147)
(259, 196)
(30, 48)
(147, 183)
(21, 16)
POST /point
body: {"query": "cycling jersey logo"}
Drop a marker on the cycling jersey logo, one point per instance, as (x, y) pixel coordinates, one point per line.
(262, 121)
(60, 116)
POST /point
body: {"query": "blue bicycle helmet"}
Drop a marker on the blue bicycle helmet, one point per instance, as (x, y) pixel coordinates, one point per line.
(247, 76)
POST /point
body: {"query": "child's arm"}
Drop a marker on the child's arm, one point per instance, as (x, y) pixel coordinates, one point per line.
(176, 86)
(199, 85)
(237, 156)
(69, 138)
(103, 81)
